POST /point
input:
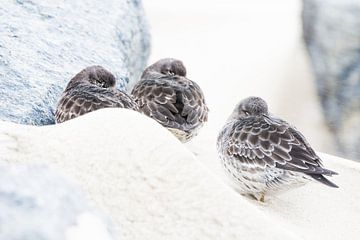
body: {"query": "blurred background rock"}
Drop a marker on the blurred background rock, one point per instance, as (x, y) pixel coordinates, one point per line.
(332, 36)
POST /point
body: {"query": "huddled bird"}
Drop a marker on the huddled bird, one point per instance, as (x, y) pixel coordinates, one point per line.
(91, 89)
(165, 94)
(264, 155)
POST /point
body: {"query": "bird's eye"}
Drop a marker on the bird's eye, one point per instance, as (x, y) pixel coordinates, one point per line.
(246, 112)
(100, 83)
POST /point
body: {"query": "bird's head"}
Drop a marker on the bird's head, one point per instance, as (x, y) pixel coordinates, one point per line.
(166, 66)
(251, 106)
(101, 77)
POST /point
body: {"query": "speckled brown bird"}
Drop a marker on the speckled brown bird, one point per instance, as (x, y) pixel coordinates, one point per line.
(91, 89)
(166, 95)
(263, 154)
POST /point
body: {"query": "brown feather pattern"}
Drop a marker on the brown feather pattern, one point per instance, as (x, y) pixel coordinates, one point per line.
(83, 95)
(174, 101)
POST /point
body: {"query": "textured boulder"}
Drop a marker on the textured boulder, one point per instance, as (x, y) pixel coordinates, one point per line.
(332, 36)
(45, 43)
(38, 203)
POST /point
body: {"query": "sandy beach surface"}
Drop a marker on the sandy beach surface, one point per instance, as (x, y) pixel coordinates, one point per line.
(153, 187)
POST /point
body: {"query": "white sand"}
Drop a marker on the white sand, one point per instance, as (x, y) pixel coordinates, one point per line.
(151, 186)
(154, 188)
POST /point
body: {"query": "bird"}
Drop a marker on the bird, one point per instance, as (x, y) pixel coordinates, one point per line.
(91, 89)
(264, 155)
(165, 94)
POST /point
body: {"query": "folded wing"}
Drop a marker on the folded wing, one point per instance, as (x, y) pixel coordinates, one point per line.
(274, 143)
(84, 99)
(175, 103)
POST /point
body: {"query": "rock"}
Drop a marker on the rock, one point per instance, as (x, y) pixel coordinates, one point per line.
(154, 188)
(38, 203)
(332, 39)
(44, 44)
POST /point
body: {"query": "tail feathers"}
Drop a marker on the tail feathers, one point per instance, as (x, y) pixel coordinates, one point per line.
(324, 180)
(328, 172)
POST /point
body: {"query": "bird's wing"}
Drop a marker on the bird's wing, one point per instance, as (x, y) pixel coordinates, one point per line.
(90, 98)
(156, 100)
(175, 104)
(195, 108)
(270, 142)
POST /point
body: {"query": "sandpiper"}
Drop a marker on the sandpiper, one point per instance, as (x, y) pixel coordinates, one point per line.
(166, 95)
(91, 89)
(263, 154)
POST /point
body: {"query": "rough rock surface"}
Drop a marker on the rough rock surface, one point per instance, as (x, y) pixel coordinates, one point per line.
(154, 188)
(331, 32)
(44, 44)
(36, 203)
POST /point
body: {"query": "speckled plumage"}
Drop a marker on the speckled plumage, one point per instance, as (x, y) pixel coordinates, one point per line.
(166, 95)
(91, 89)
(263, 154)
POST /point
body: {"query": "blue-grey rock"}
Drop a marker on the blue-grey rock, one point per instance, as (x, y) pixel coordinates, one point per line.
(43, 44)
(332, 37)
(36, 203)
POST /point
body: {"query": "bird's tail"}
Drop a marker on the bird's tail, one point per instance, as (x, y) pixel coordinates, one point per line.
(324, 180)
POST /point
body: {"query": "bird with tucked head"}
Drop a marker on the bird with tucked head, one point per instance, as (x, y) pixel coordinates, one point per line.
(166, 95)
(91, 89)
(263, 154)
